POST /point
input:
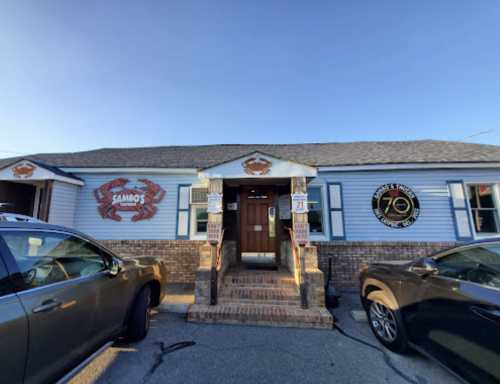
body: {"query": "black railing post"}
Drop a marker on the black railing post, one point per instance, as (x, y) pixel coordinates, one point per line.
(213, 274)
(213, 286)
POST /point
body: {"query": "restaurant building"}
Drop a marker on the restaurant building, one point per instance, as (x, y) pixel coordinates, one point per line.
(254, 226)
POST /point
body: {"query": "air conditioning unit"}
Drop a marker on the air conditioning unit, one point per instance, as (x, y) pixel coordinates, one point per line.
(198, 195)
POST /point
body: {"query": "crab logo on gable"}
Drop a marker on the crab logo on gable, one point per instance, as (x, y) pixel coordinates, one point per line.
(257, 166)
(23, 170)
(113, 197)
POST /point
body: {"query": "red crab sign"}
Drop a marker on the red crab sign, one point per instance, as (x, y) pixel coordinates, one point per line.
(23, 170)
(257, 166)
(113, 197)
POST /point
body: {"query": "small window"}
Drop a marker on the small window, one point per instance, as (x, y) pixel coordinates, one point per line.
(45, 258)
(315, 206)
(201, 220)
(479, 265)
(483, 206)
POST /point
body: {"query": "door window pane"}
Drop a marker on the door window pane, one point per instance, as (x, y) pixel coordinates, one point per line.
(315, 214)
(479, 265)
(483, 207)
(45, 258)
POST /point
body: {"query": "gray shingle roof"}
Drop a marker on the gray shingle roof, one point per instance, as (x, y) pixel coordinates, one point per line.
(316, 154)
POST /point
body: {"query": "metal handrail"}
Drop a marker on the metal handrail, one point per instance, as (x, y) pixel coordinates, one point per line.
(295, 253)
(299, 265)
(218, 259)
(216, 267)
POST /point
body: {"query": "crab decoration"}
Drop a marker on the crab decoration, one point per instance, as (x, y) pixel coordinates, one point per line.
(23, 170)
(113, 197)
(257, 166)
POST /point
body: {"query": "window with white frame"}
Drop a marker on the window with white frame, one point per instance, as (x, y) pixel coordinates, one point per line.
(200, 218)
(315, 206)
(199, 214)
(484, 204)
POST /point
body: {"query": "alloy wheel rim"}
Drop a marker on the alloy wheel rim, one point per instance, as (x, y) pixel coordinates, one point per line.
(383, 321)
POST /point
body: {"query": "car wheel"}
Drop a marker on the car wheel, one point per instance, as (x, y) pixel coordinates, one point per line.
(387, 324)
(138, 325)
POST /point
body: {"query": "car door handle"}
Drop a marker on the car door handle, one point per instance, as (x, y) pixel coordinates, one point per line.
(48, 305)
(489, 314)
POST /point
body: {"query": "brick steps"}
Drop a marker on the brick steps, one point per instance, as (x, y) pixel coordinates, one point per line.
(259, 295)
(260, 279)
(262, 314)
(257, 285)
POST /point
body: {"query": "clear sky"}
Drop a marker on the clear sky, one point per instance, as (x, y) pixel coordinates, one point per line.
(77, 75)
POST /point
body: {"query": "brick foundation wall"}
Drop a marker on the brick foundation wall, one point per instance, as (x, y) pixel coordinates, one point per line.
(349, 256)
(181, 256)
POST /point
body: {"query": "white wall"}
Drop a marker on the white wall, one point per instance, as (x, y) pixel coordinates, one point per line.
(161, 226)
(63, 204)
(435, 222)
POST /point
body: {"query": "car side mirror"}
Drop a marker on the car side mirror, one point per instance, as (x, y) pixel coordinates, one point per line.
(425, 267)
(115, 266)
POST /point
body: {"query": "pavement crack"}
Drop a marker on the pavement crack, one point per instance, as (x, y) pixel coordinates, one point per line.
(164, 350)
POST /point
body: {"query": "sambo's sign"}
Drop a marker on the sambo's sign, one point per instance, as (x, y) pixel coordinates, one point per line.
(395, 205)
(113, 197)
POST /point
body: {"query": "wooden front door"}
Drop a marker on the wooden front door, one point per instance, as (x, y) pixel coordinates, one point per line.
(258, 228)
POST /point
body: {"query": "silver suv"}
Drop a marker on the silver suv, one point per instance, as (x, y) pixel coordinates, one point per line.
(63, 297)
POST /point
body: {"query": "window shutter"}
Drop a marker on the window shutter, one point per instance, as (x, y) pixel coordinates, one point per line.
(336, 211)
(459, 208)
(183, 212)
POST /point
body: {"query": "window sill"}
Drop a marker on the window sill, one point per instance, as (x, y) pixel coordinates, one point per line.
(318, 237)
(198, 237)
(486, 236)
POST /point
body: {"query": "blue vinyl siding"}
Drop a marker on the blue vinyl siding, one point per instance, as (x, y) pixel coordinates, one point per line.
(63, 204)
(160, 227)
(435, 223)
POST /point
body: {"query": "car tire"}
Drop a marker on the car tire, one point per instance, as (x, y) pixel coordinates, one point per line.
(386, 322)
(139, 320)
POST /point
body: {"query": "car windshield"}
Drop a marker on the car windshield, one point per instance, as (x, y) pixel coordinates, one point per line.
(480, 264)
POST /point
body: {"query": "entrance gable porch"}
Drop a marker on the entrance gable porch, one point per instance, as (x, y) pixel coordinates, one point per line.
(246, 268)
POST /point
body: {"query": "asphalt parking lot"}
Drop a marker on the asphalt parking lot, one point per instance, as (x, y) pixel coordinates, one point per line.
(245, 354)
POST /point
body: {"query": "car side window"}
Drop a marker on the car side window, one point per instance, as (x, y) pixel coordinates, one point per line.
(479, 265)
(45, 258)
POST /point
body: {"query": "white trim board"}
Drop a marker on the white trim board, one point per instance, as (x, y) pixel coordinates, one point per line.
(369, 167)
(173, 171)
(387, 167)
